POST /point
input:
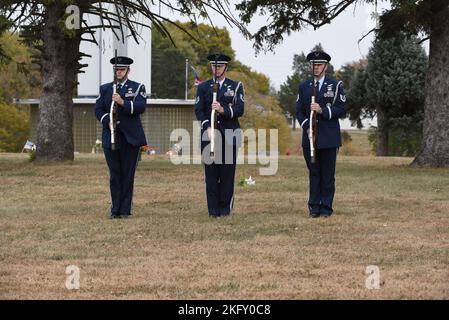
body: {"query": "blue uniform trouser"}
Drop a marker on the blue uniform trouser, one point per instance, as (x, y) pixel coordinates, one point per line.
(122, 164)
(220, 181)
(321, 180)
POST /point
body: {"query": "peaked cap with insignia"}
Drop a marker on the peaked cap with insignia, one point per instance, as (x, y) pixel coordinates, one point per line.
(122, 61)
(219, 58)
(318, 57)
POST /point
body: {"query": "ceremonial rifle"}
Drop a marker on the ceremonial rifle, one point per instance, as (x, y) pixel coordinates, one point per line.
(113, 109)
(213, 113)
(312, 120)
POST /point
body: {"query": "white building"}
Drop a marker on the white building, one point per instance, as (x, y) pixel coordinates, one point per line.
(99, 69)
(345, 124)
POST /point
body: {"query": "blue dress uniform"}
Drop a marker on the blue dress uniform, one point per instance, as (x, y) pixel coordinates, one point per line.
(220, 174)
(331, 98)
(130, 136)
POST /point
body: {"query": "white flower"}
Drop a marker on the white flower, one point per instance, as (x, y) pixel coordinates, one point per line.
(250, 181)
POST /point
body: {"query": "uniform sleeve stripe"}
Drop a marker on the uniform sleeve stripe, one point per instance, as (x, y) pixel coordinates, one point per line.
(303, 122)
(101, 120)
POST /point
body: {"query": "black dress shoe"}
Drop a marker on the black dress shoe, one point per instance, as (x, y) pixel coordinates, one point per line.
(114, 216)
(212, 215)
(326, 215)
(314, 215)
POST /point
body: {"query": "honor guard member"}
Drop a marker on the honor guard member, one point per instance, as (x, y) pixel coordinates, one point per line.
(229, 106)
(130, 100)
(329, 107)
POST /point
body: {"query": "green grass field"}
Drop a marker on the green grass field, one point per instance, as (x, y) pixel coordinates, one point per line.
(386, 214)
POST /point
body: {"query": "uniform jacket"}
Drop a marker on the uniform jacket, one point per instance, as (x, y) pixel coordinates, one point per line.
(231, 97)
(331, 99)
(133, 93)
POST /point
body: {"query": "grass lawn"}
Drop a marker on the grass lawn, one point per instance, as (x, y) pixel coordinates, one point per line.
(386, 214)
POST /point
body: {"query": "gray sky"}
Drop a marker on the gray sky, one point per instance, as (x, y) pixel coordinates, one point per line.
(339, 39)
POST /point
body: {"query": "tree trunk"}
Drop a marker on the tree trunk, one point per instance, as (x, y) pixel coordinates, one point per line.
(435, 150)
(382, 134)
(60, 54)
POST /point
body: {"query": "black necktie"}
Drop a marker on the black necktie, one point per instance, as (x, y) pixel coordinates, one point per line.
(119, 86)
